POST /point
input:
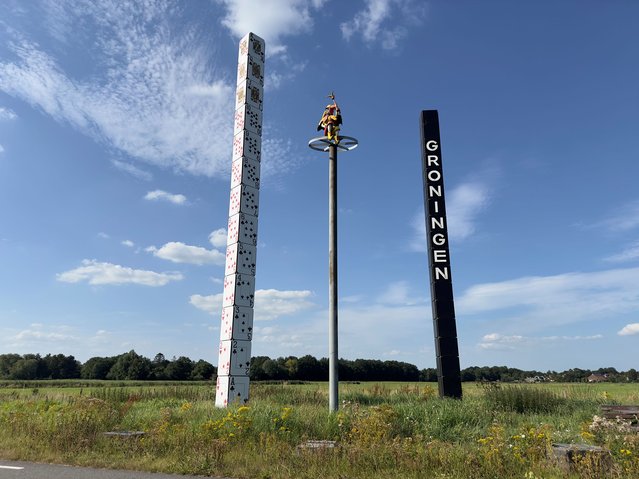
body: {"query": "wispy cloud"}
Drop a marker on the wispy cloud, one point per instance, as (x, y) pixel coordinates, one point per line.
(43, 336)
(269, 303)
(629, 254)
(275, 79)
(625, 218)
(503, 342)
(276, 157)
(464, 205)
(536, 302)
(466, 202)
(160, 195)
(629, 329)
(278, 338)
(384, 22)
(7, 114)
(369, 326)
(178, 252)
(98, 273)
(397, 293)
(128, 243)
(132, 170)
(54, 338)
(148, 100)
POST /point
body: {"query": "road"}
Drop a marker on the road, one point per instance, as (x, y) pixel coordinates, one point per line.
(32, 470)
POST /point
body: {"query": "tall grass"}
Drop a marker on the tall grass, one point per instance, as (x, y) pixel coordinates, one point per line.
(523, 399)
(382, 430)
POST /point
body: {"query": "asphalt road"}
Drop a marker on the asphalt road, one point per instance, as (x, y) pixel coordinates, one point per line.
(32, 470)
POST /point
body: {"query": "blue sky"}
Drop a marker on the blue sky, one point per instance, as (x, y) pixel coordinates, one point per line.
(115, 150)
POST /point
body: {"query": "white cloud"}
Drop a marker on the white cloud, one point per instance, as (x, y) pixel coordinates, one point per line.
(629, 329)
(216, 90)
(278, 338)
(396, 293)
(159, 195)
(463, 206)
(178, 252)
(128, 243)
(96, 273)
(272, 303)
(373, 23)
(626, 219)
(132, 170)
(496, 341)
(211, 304)
(55, 338)
(149, 102)
(538, 301)
(1, 149)
(7, 114)
(270, 19)
(269, 303)
(276, 157)
(363, 329)
(629, 254)
(275, 79)
(43, 336)
(218, 238)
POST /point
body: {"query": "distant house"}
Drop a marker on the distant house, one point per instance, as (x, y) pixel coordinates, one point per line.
(536, 379)
(597, 378)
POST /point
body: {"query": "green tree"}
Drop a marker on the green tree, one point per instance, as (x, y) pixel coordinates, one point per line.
(309, 369)
(24, 369)
(158, 367)
(97, 368)
(290, 365)
(6, 363)
(60, 366)
(428, 375)
(273, 369)
(130, 366)
(203, 371)
(256, 371)
(179, 369)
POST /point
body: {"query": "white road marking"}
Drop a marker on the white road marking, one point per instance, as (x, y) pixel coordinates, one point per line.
(11, 467)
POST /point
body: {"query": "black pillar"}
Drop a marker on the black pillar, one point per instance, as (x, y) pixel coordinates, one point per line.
(441, 284)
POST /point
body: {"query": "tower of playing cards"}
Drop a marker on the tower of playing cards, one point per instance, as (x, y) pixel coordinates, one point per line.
(236, 328)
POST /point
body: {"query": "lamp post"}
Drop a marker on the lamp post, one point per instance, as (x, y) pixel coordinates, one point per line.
(332, 142)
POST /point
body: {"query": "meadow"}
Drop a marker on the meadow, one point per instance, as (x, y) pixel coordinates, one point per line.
(383, 430)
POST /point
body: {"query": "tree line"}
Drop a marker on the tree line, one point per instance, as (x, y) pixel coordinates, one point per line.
(133, 366)
(127, 366)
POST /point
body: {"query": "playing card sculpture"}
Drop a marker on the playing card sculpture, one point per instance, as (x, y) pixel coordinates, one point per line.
(236, 330)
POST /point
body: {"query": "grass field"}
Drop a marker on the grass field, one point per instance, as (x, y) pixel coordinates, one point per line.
(383, 430)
